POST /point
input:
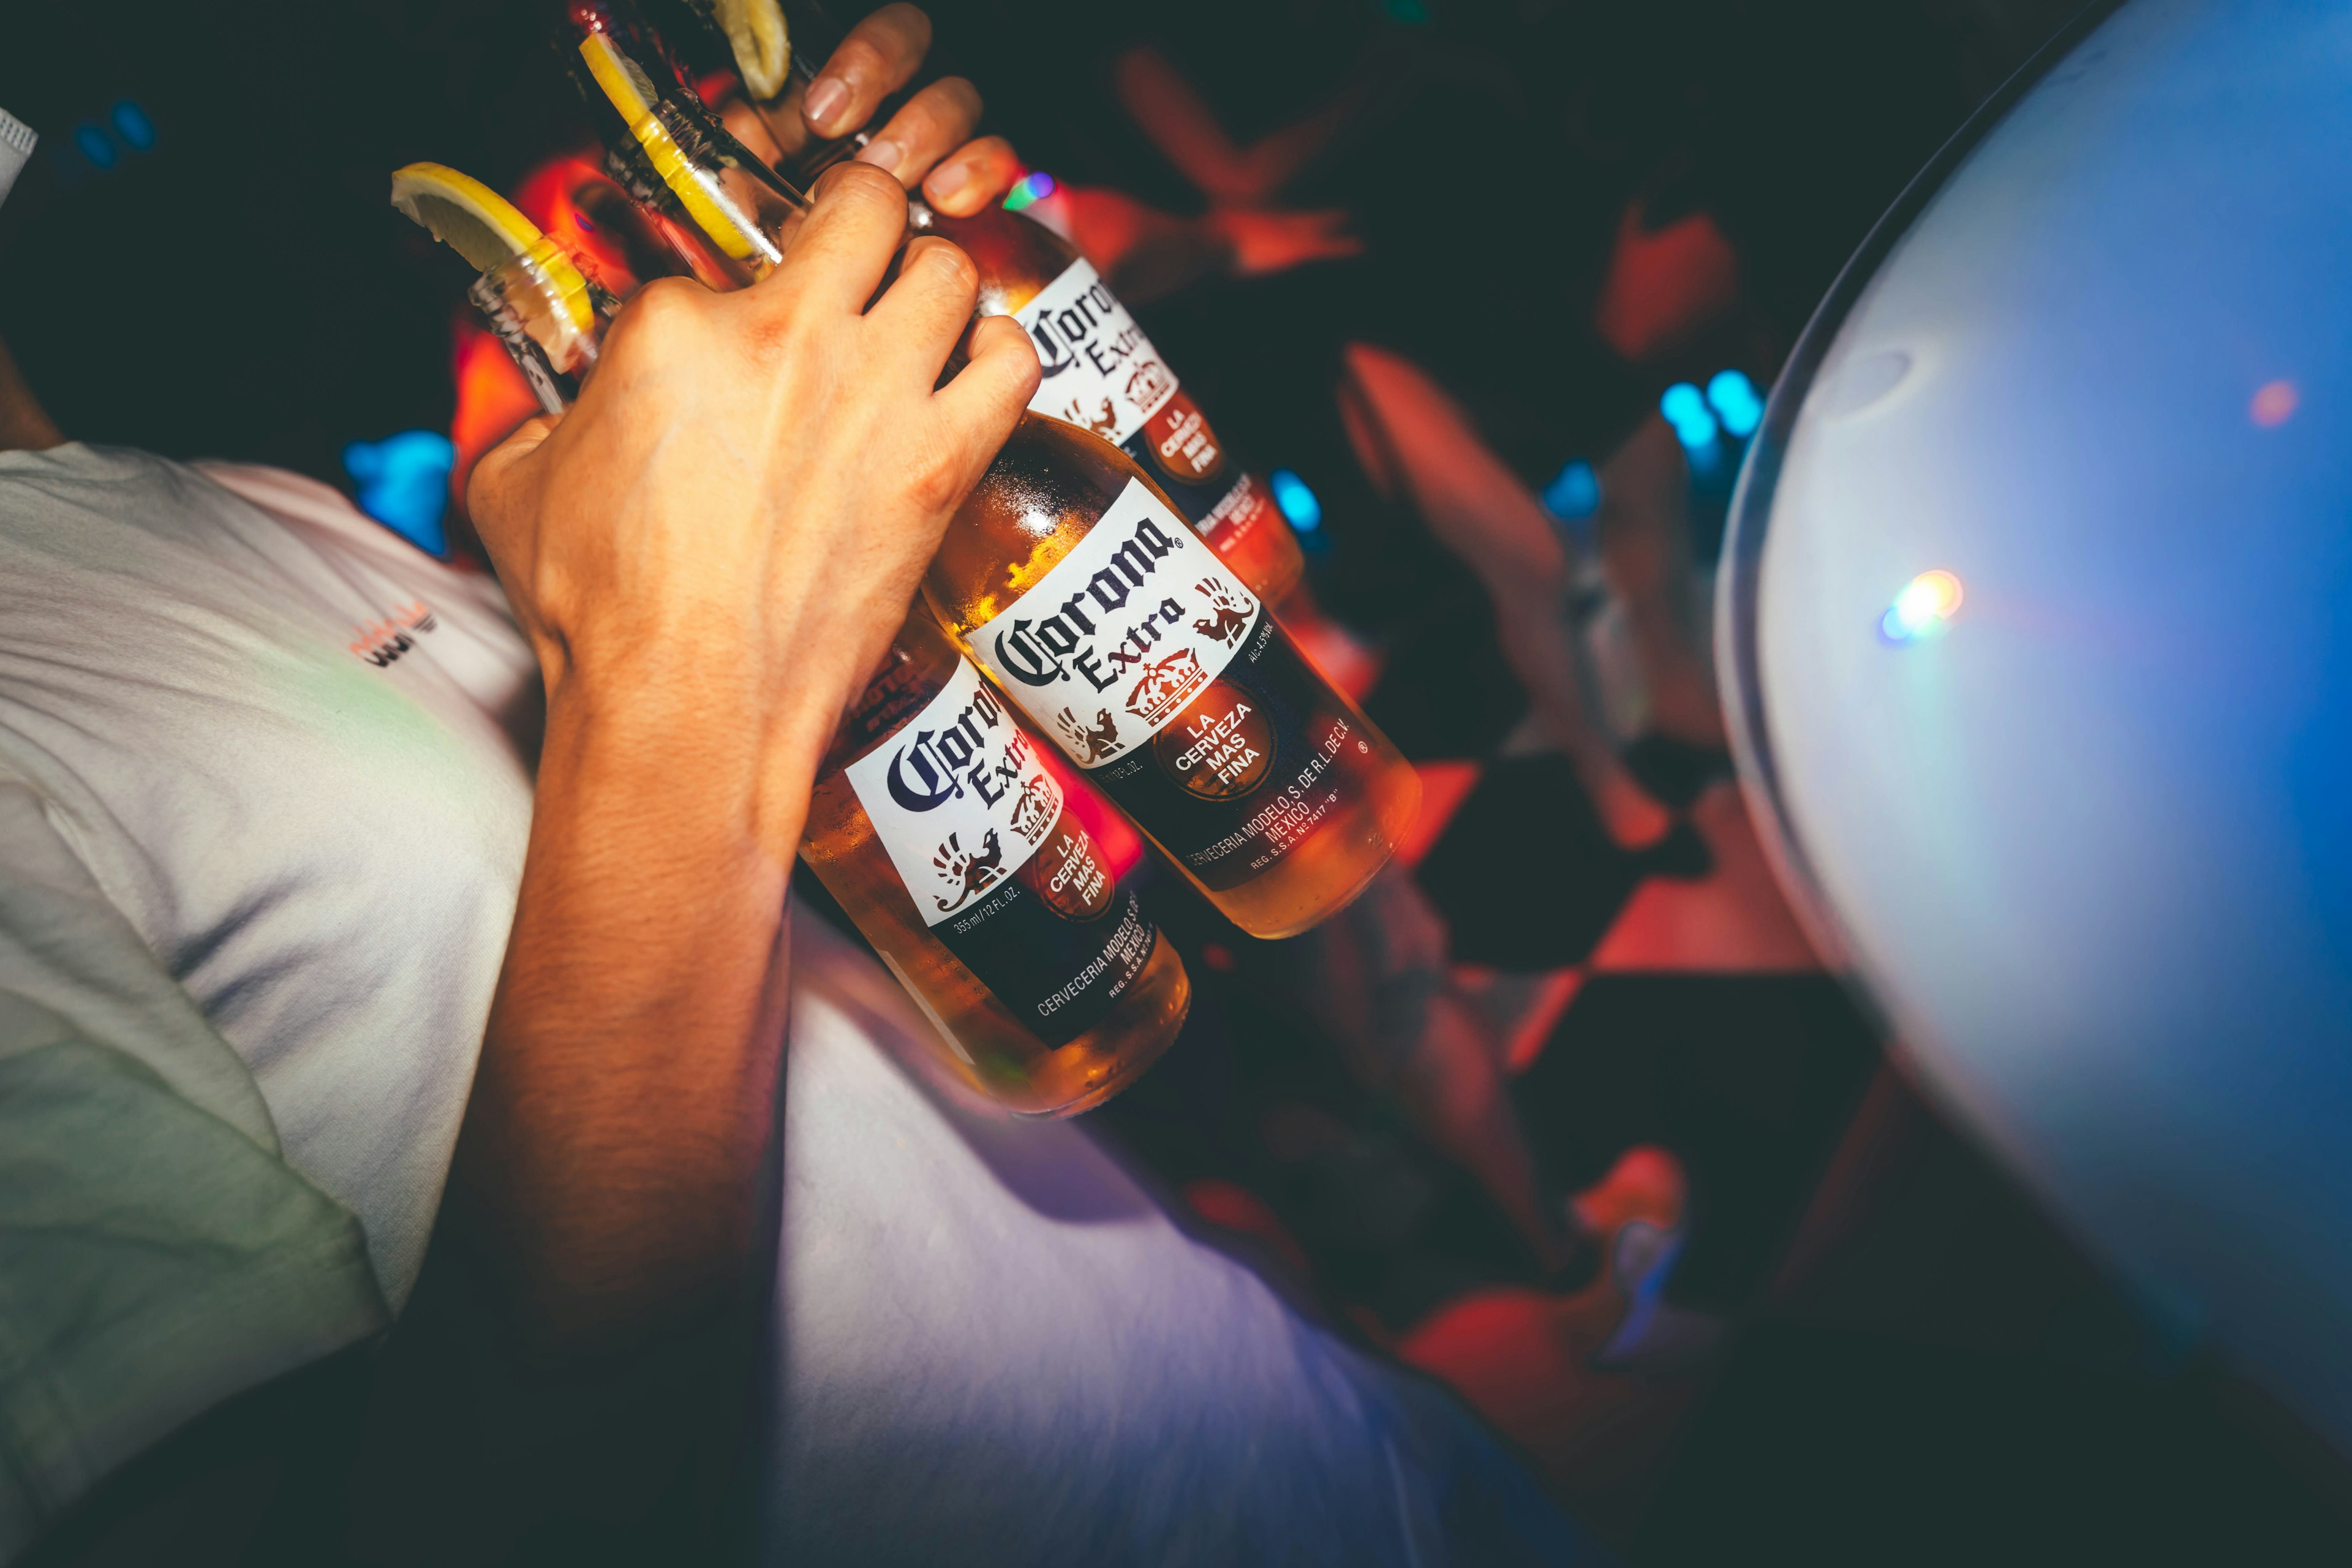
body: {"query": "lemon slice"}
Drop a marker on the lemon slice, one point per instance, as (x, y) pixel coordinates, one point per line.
(757, 32)
(705, 201)
(485, 228)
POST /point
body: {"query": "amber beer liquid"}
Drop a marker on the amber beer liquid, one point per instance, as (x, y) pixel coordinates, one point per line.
(941, 823)
(1071, 577)
(1268, 788)
(1102, 373)
(1100, 370)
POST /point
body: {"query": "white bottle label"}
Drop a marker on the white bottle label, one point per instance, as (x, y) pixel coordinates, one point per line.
(957, 796)
(1100, 371)
(1129, 627)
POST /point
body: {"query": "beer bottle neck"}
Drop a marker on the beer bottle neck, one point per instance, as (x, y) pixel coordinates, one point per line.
(669, 152)
(551, 320)
(814, 32)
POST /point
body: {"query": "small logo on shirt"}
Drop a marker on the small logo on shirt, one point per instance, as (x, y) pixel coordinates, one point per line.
(381, 642)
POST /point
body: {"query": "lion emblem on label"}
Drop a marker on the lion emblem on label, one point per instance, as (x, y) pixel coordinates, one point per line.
(1092, 744)
(1232, 607)
(1166, 685)
(1104, 422)
(971, 872)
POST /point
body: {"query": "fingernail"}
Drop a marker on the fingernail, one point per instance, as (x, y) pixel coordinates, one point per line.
(948, 179)
(881, 154)
(826, 97)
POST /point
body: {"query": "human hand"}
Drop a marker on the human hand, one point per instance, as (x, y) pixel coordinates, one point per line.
(928, 141)
(733, 518)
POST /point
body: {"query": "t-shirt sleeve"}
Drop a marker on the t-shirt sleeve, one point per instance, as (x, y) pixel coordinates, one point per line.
(157, 1254)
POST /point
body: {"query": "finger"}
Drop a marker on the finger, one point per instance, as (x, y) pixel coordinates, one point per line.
(979, 408)
(874, 61)
(856, 219)
(933, 123)
(744, 123)
(975, 174)
(923, 311)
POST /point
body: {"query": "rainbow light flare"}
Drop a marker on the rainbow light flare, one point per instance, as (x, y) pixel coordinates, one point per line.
(1925, 605)
(1034, 187)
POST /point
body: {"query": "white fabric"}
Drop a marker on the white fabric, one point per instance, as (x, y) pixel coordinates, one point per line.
(156, 1255)
(996, 1347)
(993, 1346)
(322, 852)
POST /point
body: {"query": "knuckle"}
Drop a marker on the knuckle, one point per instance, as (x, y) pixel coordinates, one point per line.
(855, 181)
(860, 61)
(949, 261)
(659, 312)
(951, 100)
(935, 482)
(909, 25)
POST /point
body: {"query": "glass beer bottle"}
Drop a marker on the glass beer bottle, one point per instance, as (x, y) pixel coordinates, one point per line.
(1273, 794)
(1100, 370)
(941, 822)
(1071, 579)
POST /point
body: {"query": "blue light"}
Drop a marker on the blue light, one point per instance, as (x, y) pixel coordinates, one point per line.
(1686, 410)
(131, 123)
(1574, 491)
(1681, 405)
(95, 146)
(403, 484)
(1297, 501)
(1734, 398)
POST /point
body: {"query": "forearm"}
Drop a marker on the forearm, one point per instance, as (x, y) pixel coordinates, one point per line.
(628, 1081)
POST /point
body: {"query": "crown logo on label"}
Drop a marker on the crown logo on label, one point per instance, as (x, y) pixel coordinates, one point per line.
(1149, 382)
(1165, 685)
(1034, 809)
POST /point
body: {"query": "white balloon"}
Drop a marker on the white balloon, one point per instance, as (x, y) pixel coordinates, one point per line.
(2089, 844)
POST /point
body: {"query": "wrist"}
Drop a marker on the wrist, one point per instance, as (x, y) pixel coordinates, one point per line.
(697, 744)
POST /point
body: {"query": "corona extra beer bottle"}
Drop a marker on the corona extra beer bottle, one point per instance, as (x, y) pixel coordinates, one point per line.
(1071, 577)
(1273, 794)
(940, 821)
(1100, 370)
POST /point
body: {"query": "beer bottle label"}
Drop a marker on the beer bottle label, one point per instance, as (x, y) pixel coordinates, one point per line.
(1102, 373)
(973, 820)
(1159, 673)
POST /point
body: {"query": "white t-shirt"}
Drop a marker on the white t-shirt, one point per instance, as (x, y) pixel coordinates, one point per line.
(275, 763)
(291, 749)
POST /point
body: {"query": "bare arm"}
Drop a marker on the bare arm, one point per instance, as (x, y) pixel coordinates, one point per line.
(708, 553)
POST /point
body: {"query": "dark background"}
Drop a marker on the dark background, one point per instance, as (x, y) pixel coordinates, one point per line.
(243, 290)
(1926, 1370)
